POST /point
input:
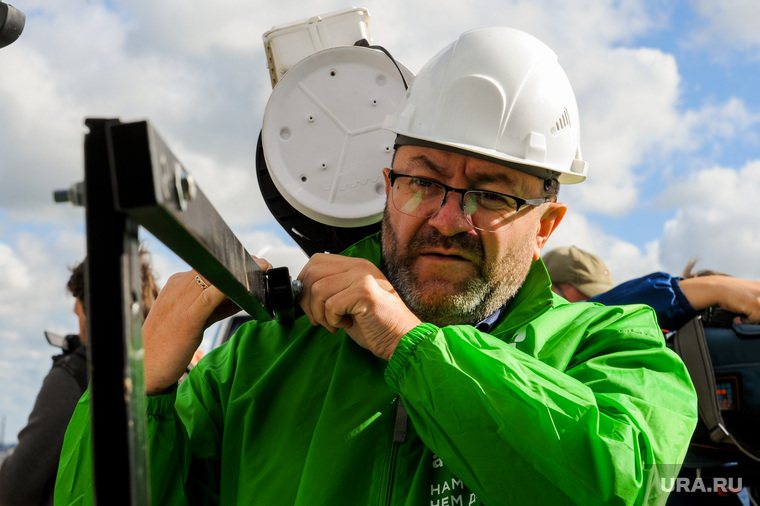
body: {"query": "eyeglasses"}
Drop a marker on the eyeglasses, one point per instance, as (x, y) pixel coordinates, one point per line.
(485, 210)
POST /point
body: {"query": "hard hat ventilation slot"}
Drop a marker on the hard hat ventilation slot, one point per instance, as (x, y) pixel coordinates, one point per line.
(562, 123)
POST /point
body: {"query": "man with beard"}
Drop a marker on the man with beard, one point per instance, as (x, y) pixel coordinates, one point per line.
(433, 364)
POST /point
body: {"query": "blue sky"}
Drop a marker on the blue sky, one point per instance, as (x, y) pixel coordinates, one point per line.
(670, 122)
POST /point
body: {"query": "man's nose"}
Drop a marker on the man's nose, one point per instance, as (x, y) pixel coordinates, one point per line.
(450, 219)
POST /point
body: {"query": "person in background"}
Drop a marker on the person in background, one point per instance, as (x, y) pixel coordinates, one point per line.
(27, 476)
(578, 275)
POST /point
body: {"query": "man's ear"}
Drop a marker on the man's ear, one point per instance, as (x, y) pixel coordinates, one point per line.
(552, 215)
(387, 183)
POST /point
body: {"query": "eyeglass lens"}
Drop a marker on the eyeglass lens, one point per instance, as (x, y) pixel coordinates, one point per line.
(422, 198)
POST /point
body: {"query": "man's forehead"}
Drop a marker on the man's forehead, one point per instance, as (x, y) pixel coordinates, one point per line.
(449, 164)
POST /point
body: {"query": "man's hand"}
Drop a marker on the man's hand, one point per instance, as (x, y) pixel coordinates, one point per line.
(352, 294)
(740, 296)
(173, 330)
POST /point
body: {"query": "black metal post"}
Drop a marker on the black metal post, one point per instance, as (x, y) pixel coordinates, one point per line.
(114, 319)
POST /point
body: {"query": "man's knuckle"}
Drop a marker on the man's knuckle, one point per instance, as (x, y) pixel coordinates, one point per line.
(205, 298)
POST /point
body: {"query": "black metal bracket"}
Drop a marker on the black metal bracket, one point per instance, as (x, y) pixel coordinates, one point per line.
(153, 188)
(133, 179)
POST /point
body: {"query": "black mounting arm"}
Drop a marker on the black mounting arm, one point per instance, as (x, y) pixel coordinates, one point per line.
(153, 188)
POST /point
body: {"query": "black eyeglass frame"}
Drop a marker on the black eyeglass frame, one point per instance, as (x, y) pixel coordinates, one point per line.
(393, 176)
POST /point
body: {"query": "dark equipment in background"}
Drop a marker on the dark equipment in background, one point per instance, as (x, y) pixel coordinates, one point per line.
(723, 360)
(67, 343)
(12, 23)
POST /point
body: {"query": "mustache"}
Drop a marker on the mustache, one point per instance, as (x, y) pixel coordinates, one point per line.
(462, 242)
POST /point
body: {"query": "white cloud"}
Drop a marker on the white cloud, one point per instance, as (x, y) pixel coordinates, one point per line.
(727, 26)
(714, 124)
(716, 221)
(628, 102)
(16, 274)
(625, 260)
(40, 136)
(33, 299)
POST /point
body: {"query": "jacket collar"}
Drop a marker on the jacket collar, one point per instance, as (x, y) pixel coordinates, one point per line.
(534, 298)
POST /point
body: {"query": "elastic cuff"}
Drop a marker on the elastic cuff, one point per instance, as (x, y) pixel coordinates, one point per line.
(159, 405)
(405, 351)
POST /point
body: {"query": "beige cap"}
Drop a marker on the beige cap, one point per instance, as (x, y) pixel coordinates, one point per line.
(586, 272)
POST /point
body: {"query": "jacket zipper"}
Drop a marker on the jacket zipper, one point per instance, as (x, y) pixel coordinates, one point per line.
(400, 425)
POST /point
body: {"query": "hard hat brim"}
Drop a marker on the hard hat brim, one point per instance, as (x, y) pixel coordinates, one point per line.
(463, 149)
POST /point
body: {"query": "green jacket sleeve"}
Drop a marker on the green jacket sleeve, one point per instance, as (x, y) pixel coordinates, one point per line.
(169, 457)
(74, 483)
(597, 415)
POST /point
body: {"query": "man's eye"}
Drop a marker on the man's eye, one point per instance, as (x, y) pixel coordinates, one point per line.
(495, 201)
(422, 183)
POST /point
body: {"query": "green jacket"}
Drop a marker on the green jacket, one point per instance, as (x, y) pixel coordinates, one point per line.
(562, 403)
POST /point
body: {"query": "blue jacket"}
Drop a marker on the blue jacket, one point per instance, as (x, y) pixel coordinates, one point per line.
(659, 290)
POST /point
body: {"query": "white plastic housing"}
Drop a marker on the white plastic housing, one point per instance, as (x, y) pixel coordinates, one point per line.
(323, 137)
(285, 45)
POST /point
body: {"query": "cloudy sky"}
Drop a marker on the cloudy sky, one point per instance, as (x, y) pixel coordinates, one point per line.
(667, 92)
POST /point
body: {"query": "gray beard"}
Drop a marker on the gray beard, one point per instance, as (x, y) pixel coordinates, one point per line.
(471, 300)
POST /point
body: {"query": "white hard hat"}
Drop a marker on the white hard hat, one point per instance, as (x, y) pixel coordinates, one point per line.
(500, 94)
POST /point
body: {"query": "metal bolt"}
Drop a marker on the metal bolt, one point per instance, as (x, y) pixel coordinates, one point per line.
(184, 184)
(297, 287)
(189, 189)
(75, 194)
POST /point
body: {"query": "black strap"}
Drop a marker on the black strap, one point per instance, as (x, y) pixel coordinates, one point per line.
(365, 43)
(690, 343)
